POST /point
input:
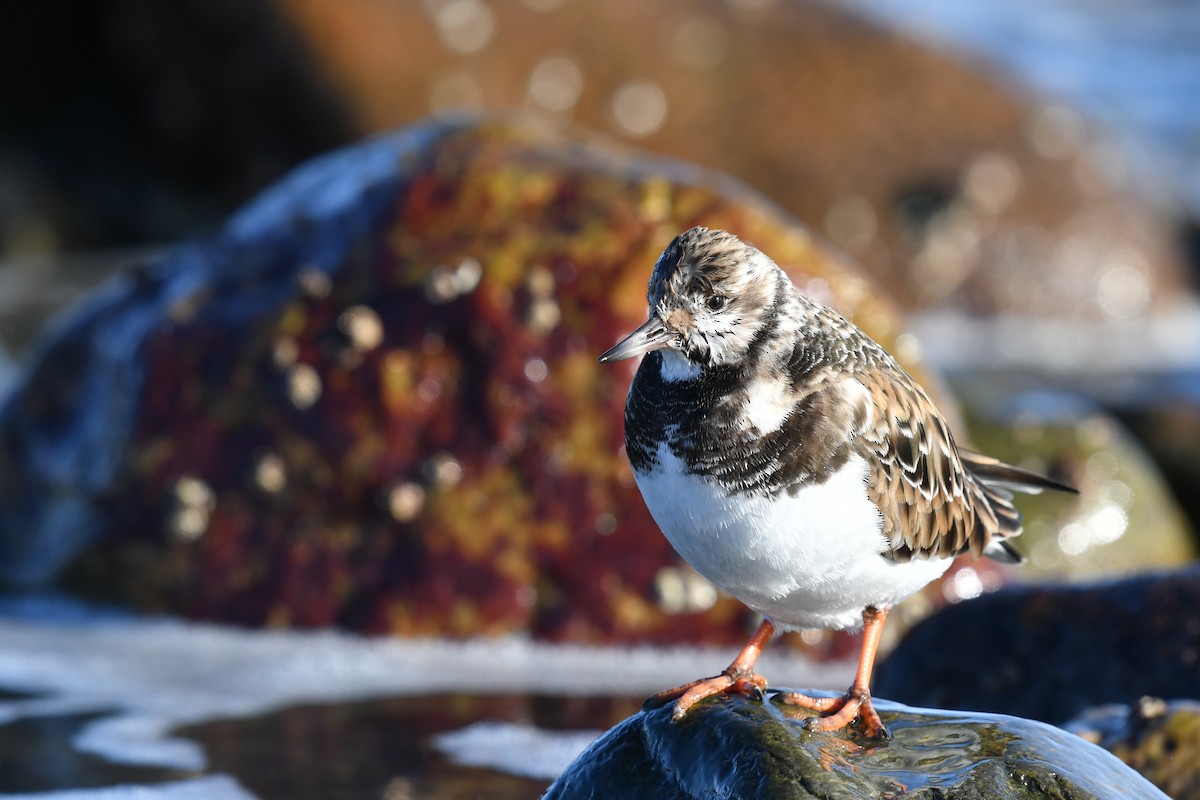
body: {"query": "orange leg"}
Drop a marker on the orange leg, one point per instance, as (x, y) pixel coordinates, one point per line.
(856, 704)
(737, 677)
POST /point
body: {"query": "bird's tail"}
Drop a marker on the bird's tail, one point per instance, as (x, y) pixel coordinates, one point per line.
(998, 481)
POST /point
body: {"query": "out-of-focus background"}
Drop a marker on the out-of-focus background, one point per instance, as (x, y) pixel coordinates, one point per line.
(366, 402)
(127, 127)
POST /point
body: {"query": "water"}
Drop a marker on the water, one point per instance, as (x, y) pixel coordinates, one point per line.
(91, 699)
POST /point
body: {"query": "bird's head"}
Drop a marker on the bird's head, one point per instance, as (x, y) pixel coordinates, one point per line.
(710, 294)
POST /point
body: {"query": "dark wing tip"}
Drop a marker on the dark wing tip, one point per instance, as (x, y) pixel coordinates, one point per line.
(1000, 550)
(992, 470)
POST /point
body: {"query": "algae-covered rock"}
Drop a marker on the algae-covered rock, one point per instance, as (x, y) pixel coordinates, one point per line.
(739, 748)
(1125, 519)
(372, 399)
(1160, 739)
(1050, 652)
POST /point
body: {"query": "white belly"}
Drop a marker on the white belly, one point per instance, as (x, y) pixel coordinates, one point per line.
(809, 560)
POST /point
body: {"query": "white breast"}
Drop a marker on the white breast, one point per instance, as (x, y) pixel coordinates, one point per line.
(808, 560)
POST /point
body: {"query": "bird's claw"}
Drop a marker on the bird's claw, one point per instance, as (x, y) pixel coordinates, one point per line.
(688, 695)
(853, 710)
(752, 690)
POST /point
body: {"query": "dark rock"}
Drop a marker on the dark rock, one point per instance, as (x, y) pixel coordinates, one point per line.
(1168, 425)
(372, 400)
(1160, 739)
(127, 121)
(1048, 653)
(738, 748)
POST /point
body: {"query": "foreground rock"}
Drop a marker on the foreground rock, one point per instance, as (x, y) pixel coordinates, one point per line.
(738, 748)
(1048, 653)
(1160, 739)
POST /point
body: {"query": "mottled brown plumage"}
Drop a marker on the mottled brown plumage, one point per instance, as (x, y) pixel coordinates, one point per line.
(792, 461)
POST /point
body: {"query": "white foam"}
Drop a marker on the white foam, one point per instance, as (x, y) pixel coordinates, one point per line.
(213, 787)
(515, 748)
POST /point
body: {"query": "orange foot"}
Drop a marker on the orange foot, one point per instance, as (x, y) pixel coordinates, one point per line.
(751, 684)
(853, 709)
(738, 678)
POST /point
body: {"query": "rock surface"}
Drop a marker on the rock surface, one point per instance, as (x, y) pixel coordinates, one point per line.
(739, 748)
(1160, 739)
(1049, 653)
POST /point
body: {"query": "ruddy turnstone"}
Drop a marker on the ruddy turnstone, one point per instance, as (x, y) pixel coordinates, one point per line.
(793, 463)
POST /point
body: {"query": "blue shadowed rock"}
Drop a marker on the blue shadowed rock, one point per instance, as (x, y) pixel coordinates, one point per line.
(66, 421)
(738, 748)
(1050, 652)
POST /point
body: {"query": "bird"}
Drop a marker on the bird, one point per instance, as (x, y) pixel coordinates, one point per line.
(792, 462)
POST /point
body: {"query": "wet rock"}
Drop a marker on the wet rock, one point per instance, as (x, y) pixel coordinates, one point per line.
(372, 400)
(739, 748)
(948, 186)
(1050, 652)
(1160, 739)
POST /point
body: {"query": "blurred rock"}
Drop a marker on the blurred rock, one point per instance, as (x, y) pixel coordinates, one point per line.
(372, 400)
(8, 370)
(126, 123)
(1125, 520)
(1169, 427)
(1160, 739)
(950, 187)
(1048, 653)
(737, 748)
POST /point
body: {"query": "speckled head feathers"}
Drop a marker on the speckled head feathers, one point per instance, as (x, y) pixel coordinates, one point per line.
(712, 292)
(701, 261)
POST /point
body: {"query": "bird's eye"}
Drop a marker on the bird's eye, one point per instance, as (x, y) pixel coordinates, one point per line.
(717, 301)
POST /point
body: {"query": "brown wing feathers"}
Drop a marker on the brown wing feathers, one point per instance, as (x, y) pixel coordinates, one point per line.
(935, 499)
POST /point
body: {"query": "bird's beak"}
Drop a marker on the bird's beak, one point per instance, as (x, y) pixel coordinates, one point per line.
(650, 336)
